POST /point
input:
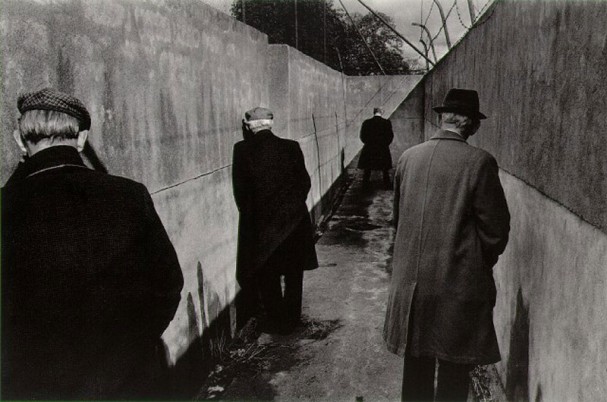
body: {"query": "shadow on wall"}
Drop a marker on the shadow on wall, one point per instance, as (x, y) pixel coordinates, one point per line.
(538, 394)
(517, 377)
(204, 351)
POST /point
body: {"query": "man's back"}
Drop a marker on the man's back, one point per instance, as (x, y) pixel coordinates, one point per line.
(452, 223)
(439, 205)
(377, 131)
(270, 187)
(90, 281)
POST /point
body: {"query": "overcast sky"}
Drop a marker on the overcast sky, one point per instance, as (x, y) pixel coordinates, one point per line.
(404, 13)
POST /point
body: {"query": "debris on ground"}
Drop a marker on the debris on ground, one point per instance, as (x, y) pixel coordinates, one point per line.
(252, 354)
(481, 388)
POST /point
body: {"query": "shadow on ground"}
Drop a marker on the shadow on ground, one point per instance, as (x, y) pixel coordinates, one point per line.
(253, 359)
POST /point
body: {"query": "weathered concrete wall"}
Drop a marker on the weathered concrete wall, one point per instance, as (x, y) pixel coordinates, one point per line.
(408, 122)
(167, 82)
(551, 311)
(308, 100)
(165, 85)
(539, 68)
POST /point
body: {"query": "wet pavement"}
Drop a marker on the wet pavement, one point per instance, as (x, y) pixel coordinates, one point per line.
(338, 353)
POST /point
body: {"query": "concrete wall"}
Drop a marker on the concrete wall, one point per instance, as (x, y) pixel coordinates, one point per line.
(167, 82)
(165, 85)
(540, 68)
(551, 311)
(309, 99)
(408, 122)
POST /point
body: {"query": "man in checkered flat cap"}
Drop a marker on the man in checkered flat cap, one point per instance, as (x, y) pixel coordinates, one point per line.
(275, 237)
(90, 279)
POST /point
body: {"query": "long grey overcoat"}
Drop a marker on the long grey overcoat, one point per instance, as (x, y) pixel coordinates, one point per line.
(452, 223)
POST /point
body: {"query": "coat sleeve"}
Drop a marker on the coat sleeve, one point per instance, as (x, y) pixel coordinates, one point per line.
(365, 133)
(241, 182)
(166, 277)
(491, 211)
(302, 176)
(389, 132)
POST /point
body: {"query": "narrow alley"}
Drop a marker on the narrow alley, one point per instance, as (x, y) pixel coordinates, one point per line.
(338, 354)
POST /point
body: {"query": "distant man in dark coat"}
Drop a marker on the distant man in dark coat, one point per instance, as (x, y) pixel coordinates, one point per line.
(275, 236)
(452, 223)
(90, 279)
(376, 133)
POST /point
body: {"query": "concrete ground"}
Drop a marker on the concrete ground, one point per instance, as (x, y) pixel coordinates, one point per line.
(338, 353)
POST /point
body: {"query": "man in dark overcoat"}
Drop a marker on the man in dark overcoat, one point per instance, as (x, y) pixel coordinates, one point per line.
(90, 279)
(275, 235)
(377, 135)
(452, 223)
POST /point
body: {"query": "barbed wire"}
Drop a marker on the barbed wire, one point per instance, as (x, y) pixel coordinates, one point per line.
(480, 12)
(459, 17)
(475, 23)
(489, 2)
(446, 18)
(429, 13)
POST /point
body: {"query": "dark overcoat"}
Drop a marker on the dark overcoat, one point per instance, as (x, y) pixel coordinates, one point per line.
(271, 185)
(376, 133)
(90, 281)
(452, 224)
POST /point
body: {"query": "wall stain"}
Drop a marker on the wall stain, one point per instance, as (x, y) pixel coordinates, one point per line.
(65, 72)
(517, 375)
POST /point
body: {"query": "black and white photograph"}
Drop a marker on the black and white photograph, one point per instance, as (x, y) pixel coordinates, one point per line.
(303, 200)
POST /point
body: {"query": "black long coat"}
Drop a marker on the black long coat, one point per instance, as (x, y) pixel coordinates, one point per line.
(377, 135)
(90, 280)
(270, 189)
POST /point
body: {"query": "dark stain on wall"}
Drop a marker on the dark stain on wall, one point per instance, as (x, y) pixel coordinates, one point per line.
(65, 72)
(201, 296)
(517, 376)
(538, 393)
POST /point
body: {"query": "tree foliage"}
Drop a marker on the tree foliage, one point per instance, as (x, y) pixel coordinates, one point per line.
(318, 29)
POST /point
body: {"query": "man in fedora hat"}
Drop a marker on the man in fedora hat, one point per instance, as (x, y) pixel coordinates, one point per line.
(377, 135)
(275, 235)
(90, 279)
(452, 223)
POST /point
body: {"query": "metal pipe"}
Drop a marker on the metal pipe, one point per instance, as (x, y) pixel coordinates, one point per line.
(425, 51)
(429, 38)
(396, 32)
(442, 17)
(471, 10)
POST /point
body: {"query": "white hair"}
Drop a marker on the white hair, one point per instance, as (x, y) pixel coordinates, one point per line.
(36, 125)
(258, 125)
(458, 120)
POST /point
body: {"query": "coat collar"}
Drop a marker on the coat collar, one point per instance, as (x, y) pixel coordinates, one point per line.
(447, 135)
(52, 158)
(263, 135)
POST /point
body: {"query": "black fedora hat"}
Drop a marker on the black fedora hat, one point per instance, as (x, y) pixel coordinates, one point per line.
(463, 101)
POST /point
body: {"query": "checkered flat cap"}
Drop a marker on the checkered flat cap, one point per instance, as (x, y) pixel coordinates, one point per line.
(51, 99)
